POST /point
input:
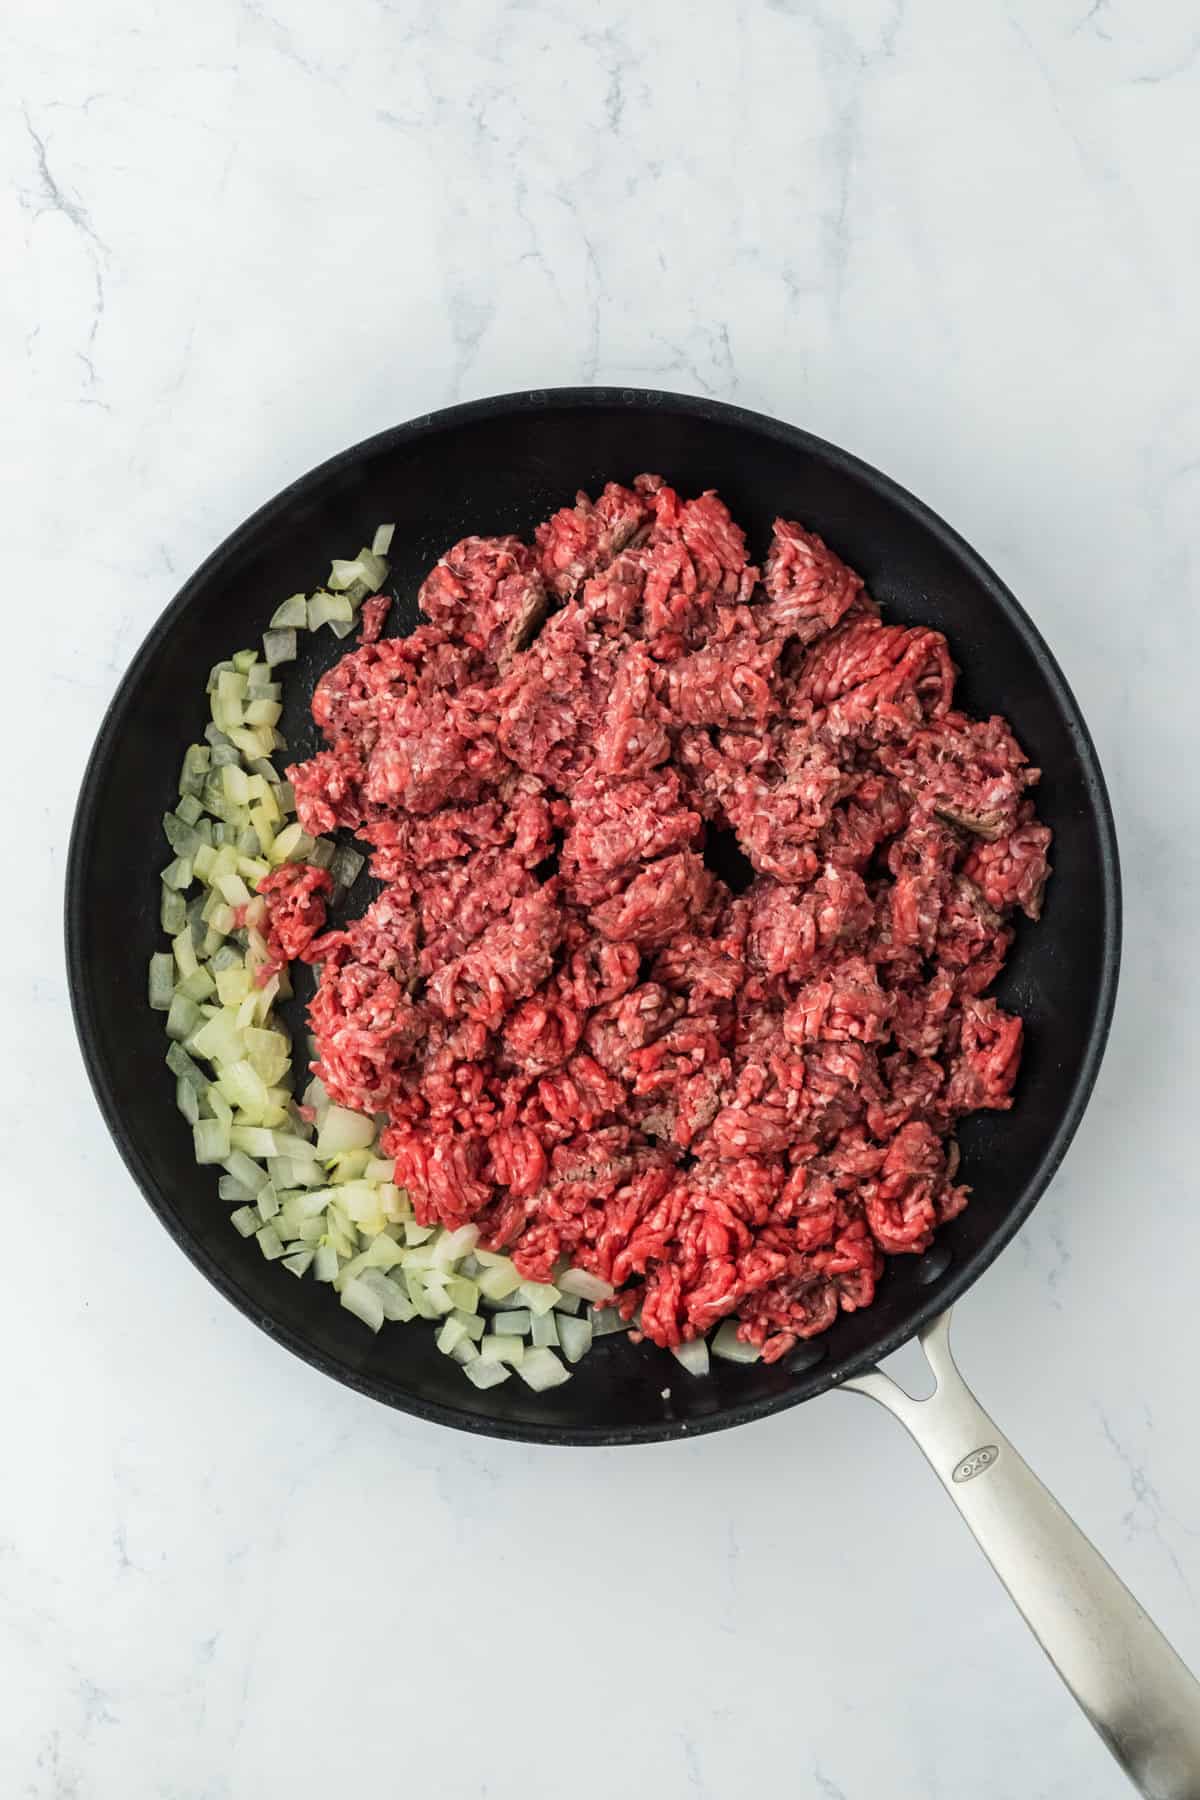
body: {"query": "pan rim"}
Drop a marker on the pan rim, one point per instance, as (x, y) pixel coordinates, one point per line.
(829, 1374)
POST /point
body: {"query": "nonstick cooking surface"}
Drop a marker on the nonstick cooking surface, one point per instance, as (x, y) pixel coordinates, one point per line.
(498, 466)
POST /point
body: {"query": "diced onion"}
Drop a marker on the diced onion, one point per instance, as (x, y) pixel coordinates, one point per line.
(294, 611)
(178, 874)
(172, 912)
(325, 609)
(279, 647)
(584, 1285)
(541, 1369)
(575, 1337)
(483, 1374)
(463, 1292)
(229, 1189)
(539, 1296)
(499, 1280)
(366, 572)
(346, 866)
(513, 1324)
(727, 1344)
(184, 1017)
(364, 1303)
(188, 1103)
(693, 1356)
(161, 987)
(605, 1320)
(451, 1334)
(455, 1244)
(394, 1301)
(244, 1169)
(269, 1243)
(325, 1262)
(211, 1140)
(343, 1130)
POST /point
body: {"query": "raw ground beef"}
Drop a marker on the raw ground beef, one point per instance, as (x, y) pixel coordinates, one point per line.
(583, 1040)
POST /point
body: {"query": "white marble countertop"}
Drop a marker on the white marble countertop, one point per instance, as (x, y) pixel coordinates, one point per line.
(960, 241)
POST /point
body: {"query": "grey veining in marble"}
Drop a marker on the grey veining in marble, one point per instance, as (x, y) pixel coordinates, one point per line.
(960, 240)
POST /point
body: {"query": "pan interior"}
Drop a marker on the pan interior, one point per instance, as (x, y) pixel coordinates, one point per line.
(501, 466)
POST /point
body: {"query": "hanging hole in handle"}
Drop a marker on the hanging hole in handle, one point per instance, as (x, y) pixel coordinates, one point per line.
(909, 1368)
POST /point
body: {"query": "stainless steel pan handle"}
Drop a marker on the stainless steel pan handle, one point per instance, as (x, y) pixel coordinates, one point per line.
(1133, 1687)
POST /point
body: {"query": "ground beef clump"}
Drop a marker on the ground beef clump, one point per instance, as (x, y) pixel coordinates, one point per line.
(583, 1041)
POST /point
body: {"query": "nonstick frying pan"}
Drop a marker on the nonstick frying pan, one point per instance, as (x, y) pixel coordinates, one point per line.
(500, 465)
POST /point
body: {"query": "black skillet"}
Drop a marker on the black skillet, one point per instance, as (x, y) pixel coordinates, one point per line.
(500, 465)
